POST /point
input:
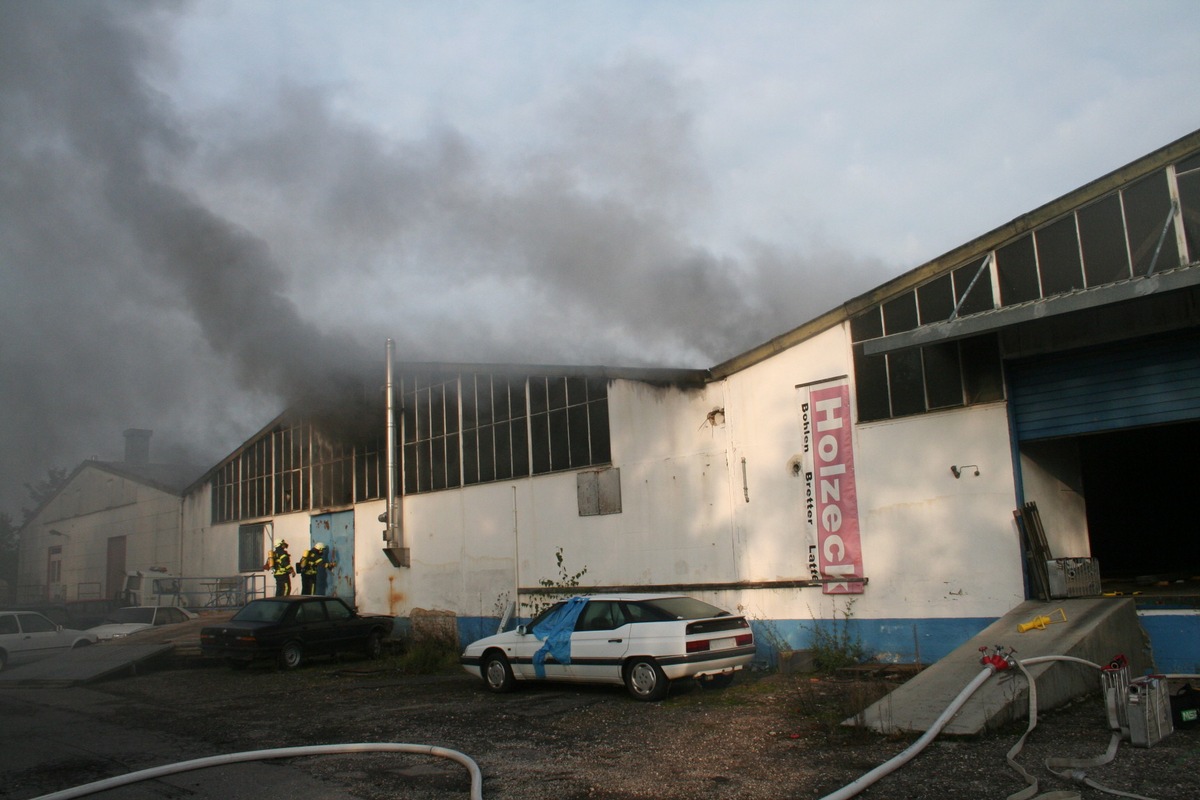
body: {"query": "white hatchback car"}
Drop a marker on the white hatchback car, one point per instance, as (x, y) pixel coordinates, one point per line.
(643, 641)
(28, 636)
(121, 622)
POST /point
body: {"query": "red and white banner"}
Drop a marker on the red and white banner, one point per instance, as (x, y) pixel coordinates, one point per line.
(831, 507)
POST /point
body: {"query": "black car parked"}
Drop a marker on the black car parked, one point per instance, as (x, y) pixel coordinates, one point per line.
(289, 629)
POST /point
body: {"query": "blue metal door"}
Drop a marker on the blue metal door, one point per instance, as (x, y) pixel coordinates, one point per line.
(337, 532)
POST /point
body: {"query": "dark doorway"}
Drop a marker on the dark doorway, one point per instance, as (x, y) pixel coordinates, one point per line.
(1140, 488)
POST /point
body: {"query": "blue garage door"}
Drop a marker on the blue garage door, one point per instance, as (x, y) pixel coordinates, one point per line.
(1127, 385)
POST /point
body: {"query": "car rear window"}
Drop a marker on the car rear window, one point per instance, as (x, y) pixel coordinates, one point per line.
(122, 615)
(671, 608)
(261, 611)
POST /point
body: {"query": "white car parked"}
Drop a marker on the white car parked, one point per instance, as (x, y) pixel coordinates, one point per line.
(28, 636)
(131, 619)
(643, 641)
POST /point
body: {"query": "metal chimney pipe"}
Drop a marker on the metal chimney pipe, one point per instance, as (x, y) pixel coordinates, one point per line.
(394, 547)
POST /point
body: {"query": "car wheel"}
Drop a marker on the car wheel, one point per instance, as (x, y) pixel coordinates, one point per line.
(80, 643)
(374, 646)
(291, 655)
(721, 681)
(645, 679)
(237, 663)
(497, 674)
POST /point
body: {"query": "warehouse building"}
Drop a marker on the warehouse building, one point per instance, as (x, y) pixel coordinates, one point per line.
(861, 471)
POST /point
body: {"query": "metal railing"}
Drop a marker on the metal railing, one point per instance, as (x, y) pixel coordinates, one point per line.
(195, 593)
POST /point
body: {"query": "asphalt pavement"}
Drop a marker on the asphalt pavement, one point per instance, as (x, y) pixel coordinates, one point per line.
(49, 734)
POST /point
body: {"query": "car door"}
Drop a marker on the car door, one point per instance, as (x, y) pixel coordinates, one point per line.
(523, 652)
(40, 636)
(599, 643)
(340, 634)
(311, 626)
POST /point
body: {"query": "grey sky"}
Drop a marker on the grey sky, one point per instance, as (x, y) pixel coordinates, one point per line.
(214, 208)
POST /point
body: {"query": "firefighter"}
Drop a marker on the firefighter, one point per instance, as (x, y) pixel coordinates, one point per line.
(279, 564)
(324, 565)
(309, 564)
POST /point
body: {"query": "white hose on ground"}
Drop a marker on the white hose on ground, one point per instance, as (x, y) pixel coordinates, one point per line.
(280, 752)
(888, 767)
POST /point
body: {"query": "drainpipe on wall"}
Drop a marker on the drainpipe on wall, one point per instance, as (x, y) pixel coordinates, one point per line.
(393, 536)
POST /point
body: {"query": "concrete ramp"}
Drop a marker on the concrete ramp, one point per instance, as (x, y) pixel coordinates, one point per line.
(1097, 629)
(82, 665)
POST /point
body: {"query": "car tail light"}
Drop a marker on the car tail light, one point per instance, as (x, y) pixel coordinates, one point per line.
(698, 646)
(745, 639)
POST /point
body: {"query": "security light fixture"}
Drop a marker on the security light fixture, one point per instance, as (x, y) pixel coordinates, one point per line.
(958, 471)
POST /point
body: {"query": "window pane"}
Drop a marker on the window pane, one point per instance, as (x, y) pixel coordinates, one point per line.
(1147, 204)
(560, 454)
(983, 379)
(868, 325)
(900, 313)
(469, 416)
(598, 420)
(516, 399)
(556, 392)
(500, 409)
(437, 411)
(1016, 270)
(503, 452)
(935, 300)
(943, 375)
(576, 390)
(980, 297)
(539, 431)
(537, 396)
(483, 393)
(410, 469)
(1058, 257)
(1189, 202)
(487, 454)
(518, 442)
(470, 457)
(453, 476)
(906, 381)
(580, 447)
(870, 385)
(1102, 237)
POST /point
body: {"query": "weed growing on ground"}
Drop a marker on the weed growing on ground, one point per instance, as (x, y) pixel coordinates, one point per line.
(837, 645)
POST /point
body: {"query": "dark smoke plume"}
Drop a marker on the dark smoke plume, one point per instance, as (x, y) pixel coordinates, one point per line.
(195, 272)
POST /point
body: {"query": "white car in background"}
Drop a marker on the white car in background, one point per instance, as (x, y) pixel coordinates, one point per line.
(28, 636)
(125, 621)
(643, 641)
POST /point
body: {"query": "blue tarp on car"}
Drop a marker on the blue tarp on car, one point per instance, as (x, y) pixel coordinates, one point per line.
(555, 632)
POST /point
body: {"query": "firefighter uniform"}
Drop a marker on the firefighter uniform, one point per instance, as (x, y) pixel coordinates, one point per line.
(309, 564)
(279, 564)
(324, 565)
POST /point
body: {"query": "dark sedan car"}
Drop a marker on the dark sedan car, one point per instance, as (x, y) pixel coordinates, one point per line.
(289, 629)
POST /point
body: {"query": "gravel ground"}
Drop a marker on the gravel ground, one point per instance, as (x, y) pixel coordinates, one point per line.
(768, 736)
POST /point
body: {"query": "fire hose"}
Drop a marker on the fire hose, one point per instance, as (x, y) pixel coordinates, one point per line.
(280, 752)
(998, 661)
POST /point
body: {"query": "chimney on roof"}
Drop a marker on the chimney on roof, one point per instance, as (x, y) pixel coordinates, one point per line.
(137, 445)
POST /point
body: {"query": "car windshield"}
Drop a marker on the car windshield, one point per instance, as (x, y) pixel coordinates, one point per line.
(123, 615)
(261, 611)
(668, 608)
